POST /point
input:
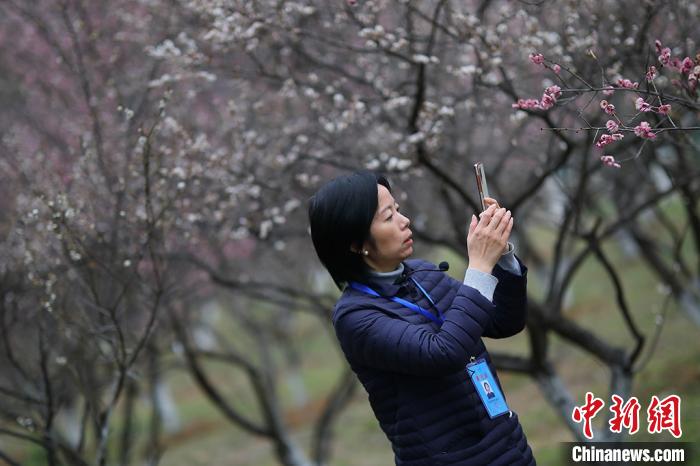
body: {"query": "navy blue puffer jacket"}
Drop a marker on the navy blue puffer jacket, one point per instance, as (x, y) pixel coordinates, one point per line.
(414, 370)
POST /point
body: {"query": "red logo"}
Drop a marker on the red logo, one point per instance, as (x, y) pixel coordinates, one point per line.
(661, 414)
(626, 415)
(587, 412)
(665, 415)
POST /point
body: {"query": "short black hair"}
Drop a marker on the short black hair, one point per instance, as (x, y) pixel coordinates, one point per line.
(340, 216)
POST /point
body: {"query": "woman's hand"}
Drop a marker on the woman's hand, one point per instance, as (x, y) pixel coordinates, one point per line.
(489, 201)
(488, 237)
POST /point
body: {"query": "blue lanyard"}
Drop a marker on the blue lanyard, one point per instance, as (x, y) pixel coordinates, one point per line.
(414, 307)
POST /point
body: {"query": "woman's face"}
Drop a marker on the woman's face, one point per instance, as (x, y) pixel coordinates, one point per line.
(391, 239)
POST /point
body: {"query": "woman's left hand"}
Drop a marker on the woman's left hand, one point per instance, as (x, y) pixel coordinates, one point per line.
(489, 201)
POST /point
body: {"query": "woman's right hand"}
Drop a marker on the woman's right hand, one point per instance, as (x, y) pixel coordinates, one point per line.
(488, 237)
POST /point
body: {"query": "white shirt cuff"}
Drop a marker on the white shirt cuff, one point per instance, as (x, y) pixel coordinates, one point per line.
(484, 283)
(508, 262)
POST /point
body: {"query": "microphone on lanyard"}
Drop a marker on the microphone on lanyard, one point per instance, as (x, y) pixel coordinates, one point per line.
(442, 267)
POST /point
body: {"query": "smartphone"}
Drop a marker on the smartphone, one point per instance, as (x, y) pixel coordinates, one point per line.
(481, 183)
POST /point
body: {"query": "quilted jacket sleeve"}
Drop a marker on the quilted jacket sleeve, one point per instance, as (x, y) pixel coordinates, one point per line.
(510, 300)
(370, 337)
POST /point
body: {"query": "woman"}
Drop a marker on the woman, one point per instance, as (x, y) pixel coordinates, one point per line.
(413, 335)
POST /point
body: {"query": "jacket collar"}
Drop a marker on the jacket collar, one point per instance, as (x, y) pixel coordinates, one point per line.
(385, 288)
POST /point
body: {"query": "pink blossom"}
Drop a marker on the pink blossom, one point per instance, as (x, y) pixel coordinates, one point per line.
(610, 109)
(627, 84)
(664, 109)
(644, 131)
(657, 43)
(554, 91)
(526, 104)
(548, 101)
(556, 69)
(641, 105)
(537, 58)
(665, 56)
(675, 62)
(693, 78)
(686, 65)
(604, 140)
(609, 161)
(549, 97)
(612, 126)
(608, 91)
(604, 104)
(642, 128)
(651, 73)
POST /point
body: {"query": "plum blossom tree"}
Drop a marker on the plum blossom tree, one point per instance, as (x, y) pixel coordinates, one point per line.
(421, 83)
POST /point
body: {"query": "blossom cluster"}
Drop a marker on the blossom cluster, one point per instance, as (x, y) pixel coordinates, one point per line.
(607, 107)
(643, 106)
(627, 84)
(685, 66)
(617, 125)
(609, 161)
(549, 98)
(606, 139)
(644, 130)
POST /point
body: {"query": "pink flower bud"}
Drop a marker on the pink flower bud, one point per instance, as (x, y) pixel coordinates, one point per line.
(627, 84)
(641, 105)
(612, 126)
(547, 102)
(664, 109)
(554, 91)
(556, 69)
(651, 73)
(528, 104)
(686, 65)
(604, 140)
(609, 161)
(644, 131)
(537, 58)
(657, 43)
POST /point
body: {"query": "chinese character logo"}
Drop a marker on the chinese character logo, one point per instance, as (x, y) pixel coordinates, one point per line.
(587, 412)
(661, 414)
(626, 415)
(665, 415)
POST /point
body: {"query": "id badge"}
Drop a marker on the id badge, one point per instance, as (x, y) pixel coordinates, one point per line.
(487, 388)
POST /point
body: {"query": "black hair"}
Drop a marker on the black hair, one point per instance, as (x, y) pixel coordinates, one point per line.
(340, 216)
